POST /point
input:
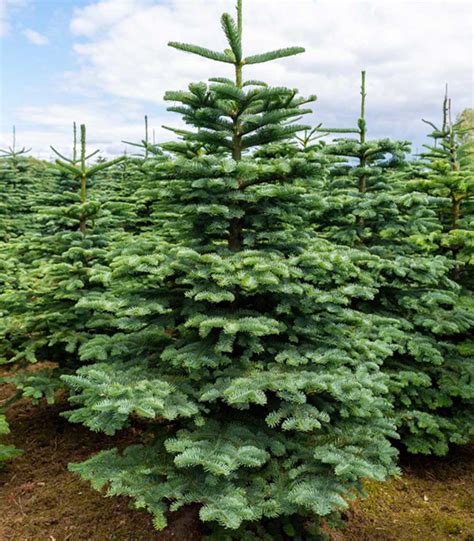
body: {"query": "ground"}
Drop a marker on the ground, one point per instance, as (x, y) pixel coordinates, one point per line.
(40, 500)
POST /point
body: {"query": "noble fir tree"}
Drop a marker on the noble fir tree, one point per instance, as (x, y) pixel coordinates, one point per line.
(235, 336)
(362, 206)
(448, 175)
(124, 191)
(21, 179)
(368, 203)
(41, 314)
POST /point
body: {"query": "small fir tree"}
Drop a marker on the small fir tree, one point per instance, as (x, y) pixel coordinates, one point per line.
(367, 204)
(22, 178)
(448, 174)
(362, 205)
(43, 319)
(125, 191)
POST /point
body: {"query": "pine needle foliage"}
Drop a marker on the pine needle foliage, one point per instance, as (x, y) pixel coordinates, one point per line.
(235, 333)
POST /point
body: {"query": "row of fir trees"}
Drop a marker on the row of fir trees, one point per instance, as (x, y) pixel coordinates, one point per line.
(275, 309)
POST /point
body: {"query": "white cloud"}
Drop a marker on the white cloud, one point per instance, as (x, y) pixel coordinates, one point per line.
(6, 9)
(107, 122)
(409, 50)
(97, 17)
(35, 37)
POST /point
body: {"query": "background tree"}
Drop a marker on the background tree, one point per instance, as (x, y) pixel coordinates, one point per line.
(22, 178)
(42, 317)
(123, 188)
(465, 119)
(371, 202)
(447, 173)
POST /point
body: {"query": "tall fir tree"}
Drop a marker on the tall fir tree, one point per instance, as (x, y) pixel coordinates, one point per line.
(235, 336)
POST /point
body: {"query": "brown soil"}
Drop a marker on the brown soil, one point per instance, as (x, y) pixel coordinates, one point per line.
(40, 500)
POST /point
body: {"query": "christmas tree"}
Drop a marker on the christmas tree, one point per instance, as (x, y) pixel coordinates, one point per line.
(123, 188)
(42, 317)
(371, 202)
(22, 178)
(236, 338)
(449, 176)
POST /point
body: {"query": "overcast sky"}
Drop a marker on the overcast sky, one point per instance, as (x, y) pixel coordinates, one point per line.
(106, 63)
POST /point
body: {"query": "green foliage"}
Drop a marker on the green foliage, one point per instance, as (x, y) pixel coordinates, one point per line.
(7, 452)
(236, 328)
(37, 384)
(109, 394)
(48, 273)
(447, 173)
(22, 179)
(12, 151)
(54, 269)
(270, 308)
(233, 33)
(371, 200)
(465, 122)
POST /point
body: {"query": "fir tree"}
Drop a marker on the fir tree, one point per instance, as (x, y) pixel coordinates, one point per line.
(465, 121)
(361, 190)
(235, 329)
(148, 148)
(125, 191)
(368, 204)
(21, 179)
(42, 318)
(448, 175)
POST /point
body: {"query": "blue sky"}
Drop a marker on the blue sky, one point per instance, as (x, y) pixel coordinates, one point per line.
(29, 71)
(105, 62)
